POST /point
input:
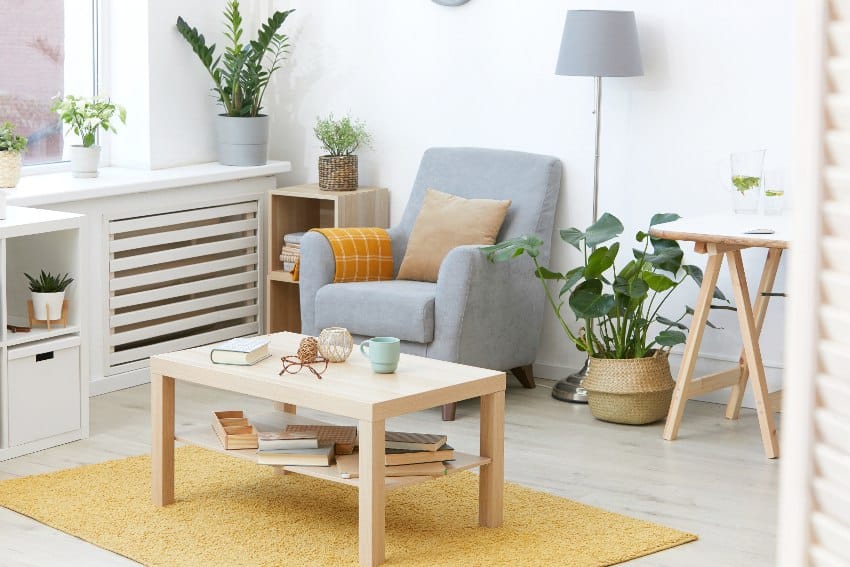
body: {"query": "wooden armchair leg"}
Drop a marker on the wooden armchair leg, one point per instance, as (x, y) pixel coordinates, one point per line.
(449, 411)
(525, 375)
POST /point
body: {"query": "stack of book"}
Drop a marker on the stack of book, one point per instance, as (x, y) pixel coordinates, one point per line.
(291, 251)
(293, 449)
(406, 454)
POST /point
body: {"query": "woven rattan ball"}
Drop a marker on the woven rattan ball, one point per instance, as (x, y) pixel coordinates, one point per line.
(308, 349)
(335, 343)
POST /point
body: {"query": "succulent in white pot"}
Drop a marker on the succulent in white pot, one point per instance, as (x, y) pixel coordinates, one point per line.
(84, 117)
(11, 147)
(48, 294)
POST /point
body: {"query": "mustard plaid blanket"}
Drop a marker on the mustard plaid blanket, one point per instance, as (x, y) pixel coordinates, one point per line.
(361, 254)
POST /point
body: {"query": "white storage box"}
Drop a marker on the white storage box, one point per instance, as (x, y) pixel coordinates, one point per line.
(44, 390)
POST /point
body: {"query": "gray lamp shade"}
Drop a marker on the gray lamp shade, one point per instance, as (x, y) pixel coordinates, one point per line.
(600, 43)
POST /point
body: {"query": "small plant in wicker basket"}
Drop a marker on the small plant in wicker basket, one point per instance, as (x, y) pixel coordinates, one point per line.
(11, 147)
(340, 139)
(621, 311)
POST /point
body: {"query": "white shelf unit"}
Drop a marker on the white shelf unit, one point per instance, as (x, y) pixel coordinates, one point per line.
(43, 373)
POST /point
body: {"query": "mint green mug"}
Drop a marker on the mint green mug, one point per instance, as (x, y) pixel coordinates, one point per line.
(383, 353)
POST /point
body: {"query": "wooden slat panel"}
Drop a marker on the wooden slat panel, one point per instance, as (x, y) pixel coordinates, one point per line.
(823, 558)
(140, 353)
(186, 323)
(834, 324)
(836, 289)
(170, 219)
(838, 147)
(832, 535)
(834, 395)
(182, 253)
(833, 501)
(833, 465)
(833, 430)
(836, 251)
(180, 290)
(181, 307)
(184, 235)
(837, 219)
(189, 271)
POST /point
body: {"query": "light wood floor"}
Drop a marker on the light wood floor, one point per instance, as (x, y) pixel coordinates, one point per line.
(714, 481)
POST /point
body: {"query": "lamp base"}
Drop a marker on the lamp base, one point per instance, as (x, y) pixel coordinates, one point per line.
(571, 389)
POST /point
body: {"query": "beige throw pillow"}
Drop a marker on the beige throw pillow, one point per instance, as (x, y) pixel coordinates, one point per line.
(445, 222)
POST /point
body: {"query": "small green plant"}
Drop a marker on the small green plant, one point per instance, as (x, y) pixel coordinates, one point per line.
(85, 116)
(620, 308)
(241, 75)
(341, 137)
(9, 141)
(744, 183)
(49, 283)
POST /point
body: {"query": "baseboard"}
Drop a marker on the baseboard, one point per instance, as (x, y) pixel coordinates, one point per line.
(121, 381)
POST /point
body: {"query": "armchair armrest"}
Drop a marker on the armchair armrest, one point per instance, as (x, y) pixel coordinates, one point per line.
(487, 314)
(318, 267)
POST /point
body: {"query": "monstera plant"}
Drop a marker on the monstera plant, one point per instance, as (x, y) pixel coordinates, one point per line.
(620, 305)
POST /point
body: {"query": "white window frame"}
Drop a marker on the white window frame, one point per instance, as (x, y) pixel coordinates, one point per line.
(83, 29)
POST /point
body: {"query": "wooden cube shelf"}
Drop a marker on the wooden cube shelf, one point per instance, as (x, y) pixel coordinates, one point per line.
(300, 208)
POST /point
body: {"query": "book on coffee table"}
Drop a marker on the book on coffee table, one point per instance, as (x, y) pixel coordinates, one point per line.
(349, 467)
(245, 351)
(414, 441)
(405, 457)
(320, 457)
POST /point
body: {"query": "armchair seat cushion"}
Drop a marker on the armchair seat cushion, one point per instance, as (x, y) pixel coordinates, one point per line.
(396, 308)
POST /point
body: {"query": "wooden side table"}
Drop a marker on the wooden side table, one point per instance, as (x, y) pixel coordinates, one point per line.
(300, 208)
(720, 236)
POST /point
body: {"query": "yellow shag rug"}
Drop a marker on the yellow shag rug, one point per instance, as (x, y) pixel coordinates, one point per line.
(230, 512)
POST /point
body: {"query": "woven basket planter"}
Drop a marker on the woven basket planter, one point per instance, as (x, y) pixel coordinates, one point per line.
(10, 169)
(632, 391)
(338, 173)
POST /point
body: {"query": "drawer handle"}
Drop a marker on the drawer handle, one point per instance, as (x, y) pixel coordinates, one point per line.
(44, 356)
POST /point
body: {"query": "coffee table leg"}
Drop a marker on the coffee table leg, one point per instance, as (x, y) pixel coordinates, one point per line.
(162, 445)
(371, 439)
(491, 485)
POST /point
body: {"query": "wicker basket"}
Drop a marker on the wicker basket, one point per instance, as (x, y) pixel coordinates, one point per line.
(338, 173)
(631, 391)
(10, 169)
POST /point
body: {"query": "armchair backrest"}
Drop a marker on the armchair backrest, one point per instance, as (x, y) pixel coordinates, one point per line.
(531, 181)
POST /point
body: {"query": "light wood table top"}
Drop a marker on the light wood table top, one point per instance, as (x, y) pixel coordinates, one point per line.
(728, 229)
(349, 389)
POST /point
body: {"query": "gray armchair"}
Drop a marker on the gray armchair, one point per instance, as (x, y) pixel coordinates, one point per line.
(478, 313)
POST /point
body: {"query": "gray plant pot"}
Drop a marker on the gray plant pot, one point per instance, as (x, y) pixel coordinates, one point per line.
(242, 140)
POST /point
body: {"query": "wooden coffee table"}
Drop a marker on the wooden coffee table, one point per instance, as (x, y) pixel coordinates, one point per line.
(347, 389)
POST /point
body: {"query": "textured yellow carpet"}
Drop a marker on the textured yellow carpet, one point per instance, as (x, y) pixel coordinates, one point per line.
(231, 512)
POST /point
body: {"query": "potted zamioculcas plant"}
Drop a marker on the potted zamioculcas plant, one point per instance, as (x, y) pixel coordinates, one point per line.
(240, 77)
(84, 117)
(340, 139)
(11, 148)
(624, 333)
(48, 294)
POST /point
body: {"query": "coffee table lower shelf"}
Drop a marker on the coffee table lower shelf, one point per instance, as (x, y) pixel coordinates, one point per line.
(204, 436)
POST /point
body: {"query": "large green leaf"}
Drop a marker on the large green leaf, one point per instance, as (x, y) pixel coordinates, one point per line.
(657, 282)
(508, 249)
(668, 259)
(671, 323)
(601, 260)
(588, 302)
(571, 278)
(634, 288)
(661, 218)
(547, 274)
(630, 270)
(696, 274)
(572, 236)
(607, 227)
(670, 338)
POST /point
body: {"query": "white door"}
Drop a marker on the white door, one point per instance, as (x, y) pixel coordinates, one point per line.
(814, 523)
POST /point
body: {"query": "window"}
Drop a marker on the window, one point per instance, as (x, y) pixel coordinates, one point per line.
(49, 48)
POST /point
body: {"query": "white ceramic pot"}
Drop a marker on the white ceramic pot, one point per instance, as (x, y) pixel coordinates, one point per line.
(41, 302)
(242, 140)
(84, 161)
(10, 169)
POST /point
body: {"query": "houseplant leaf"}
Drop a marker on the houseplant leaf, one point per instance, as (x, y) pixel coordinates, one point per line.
(572, 236)
(601, 260)
(547, 274)
(661, 218)
(696, 274)
(607, 227)
(670, 338)
(671, 323)
(657, 282)
(588, 301)
(571, 278)
(634, 288)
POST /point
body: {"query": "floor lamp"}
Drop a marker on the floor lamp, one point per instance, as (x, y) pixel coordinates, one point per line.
(596, 43)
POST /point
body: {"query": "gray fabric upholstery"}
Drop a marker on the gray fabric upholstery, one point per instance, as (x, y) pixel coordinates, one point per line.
(397, 308)
(484, 314)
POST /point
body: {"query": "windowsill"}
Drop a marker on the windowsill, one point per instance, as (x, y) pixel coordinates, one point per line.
(52, 188)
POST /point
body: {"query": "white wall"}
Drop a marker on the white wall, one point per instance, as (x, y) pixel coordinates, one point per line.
(718, 78)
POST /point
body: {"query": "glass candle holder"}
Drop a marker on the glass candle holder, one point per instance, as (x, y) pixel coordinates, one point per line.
(747, 180)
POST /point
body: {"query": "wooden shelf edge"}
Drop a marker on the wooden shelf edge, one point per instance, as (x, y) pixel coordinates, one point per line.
(281, 276)
(205, 437)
